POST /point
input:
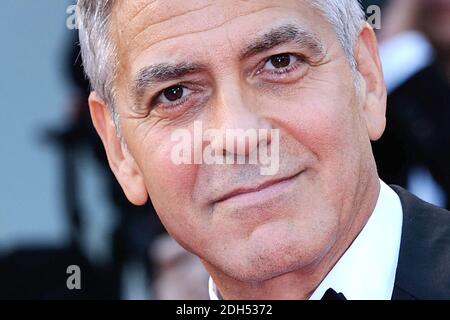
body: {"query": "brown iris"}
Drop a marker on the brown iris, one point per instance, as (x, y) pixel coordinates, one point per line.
(174, 93)
(281, 61)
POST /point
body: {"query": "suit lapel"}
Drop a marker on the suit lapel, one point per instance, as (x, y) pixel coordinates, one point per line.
(424, 257)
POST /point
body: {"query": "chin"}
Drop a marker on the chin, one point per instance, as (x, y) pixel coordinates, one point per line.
(262, 272)
(273, 248)
(265, 261)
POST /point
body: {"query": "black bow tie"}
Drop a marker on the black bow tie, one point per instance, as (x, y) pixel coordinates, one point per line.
(330, 294)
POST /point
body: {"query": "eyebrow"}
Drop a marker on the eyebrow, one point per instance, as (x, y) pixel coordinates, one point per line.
(281, 35)
(162, 72)
(287, 33)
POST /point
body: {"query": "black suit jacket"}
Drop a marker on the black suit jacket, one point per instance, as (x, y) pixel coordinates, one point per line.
(423, 270)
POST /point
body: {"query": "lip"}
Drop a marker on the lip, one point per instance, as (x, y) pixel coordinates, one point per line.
(264, 190)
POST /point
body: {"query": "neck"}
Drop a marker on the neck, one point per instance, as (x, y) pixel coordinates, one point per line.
(300, 284)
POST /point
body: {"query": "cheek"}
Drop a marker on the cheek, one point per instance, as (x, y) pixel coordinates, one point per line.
(168, 184)
(319, 111)
(328, 127)
(324, 124)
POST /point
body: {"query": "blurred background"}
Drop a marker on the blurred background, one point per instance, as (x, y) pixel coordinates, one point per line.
(61, 206)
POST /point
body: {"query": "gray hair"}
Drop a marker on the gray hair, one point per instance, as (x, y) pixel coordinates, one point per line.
(347, 17)
(99, 52)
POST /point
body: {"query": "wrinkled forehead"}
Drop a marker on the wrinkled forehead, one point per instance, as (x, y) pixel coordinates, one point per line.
(151, 28)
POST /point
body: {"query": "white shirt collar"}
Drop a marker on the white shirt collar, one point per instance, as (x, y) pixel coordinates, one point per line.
(366, 271)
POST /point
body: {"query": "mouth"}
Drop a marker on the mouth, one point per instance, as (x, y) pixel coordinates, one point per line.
(265, 190)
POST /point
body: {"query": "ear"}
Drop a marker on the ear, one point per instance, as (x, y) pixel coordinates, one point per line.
(120, 159)
(373, 88)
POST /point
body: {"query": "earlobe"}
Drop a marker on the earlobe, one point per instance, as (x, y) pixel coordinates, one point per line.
(131, 178)
(120, 160)
(373, 89)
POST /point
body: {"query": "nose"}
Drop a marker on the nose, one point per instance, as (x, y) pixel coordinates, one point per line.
(239, 121)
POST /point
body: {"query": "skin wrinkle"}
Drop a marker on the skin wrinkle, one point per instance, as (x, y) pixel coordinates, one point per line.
(329, 13)
(165, 39)
(174, 125)
(163, 72)
(122, 67)
(205, 30)
(169, 18)
(325, 59)
(141, 10)
(283, 34)
(274, 248)
(145, 117)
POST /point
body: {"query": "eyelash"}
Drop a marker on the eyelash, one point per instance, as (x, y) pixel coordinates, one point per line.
(176, 106)
(286, 70)
(170, 107)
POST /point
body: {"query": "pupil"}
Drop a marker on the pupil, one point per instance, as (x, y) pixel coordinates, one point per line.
(281, 61)
(173, 93)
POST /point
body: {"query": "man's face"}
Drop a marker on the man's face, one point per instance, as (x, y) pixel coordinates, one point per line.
(242, 71)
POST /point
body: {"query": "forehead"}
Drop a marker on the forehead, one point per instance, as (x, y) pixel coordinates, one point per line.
(148, 29)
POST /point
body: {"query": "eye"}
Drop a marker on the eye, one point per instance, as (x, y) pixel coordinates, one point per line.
(281, 62)
(283, 68)
(173, 94)
(176, 99)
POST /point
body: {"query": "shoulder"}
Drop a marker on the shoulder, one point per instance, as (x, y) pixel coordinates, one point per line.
(423, 268)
